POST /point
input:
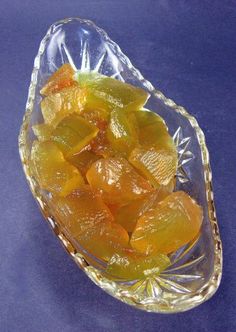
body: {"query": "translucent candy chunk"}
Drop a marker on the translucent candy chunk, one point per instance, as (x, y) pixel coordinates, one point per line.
(122, 133)
(96, 116)
(108, 93)
(152, 130)
(62, 78)
(173, 223)
(100, 144)
(158, 166)
(83, 160)
(42, 131)
(73, 133)
(56, 107)
(81, 210)
(131, 265)
(128, 215)
(117, 180)
(103, 240)
(156, 157)
(52, 171)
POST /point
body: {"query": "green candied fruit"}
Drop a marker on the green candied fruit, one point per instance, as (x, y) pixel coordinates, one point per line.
(152, 130)
(157, 165)
(121, 132)
(147, 117)
(156, 155)
(42, 131)
(96, 115)
(52, 171)
(132, 266)
(72, 134)
(108, 93)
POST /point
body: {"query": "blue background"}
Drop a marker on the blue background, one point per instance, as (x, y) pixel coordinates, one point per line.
(185, 48)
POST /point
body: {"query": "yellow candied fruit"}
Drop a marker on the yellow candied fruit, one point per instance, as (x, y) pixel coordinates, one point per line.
(104, 240)
(83, 160)
(80, 210)
(96, 116)
(52, 171)
(57, 106)
(174, 222)
(100, 144)
(72, 134)
(117, 180)
(42, 131)
(158, 166)
(128, 215)
(156, 155)
(130, 265)
(121, 132)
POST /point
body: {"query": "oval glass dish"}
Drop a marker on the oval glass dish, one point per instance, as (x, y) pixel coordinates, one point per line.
(195, 271)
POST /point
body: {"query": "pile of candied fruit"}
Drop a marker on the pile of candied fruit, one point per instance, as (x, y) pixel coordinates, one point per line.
(109, 165)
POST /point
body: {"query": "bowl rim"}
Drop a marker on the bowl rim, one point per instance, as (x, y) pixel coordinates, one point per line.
(208, 289)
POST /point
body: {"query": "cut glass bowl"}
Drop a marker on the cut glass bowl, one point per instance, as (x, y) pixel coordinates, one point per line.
(195, 271)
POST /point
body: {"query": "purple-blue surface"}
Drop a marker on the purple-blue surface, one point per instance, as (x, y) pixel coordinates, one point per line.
(185, 48)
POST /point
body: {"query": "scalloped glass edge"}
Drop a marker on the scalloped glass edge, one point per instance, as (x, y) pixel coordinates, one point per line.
(113, 288)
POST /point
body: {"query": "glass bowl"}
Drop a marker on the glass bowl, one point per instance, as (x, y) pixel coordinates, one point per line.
(195, 271)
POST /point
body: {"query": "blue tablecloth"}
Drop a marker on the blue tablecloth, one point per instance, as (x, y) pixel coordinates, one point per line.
(185, 48)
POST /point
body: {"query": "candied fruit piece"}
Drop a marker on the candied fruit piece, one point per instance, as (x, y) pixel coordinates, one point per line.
(42, 131)
(81, 210)
(52, 171)
(99, 118)
(117, 180)
(146, 117)
(57, 106)
(100, 144)
(158, 166)
(156, 157)
(96, 116)
(113, 208)
(173, 223)
(73, 133)
(108, 93)
(62, 78)
(153, 131)
(121, 132)
(128, 215)
(83, 160)
(103, 240)
(170, 186)
(131, 266)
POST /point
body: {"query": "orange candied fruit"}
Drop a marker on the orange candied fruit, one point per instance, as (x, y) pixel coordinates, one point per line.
(174, 222)
(117, 180)
(57, 106)
(104, 240)
(62, 78)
